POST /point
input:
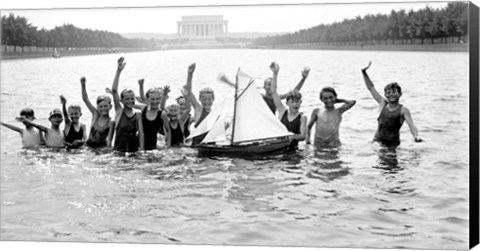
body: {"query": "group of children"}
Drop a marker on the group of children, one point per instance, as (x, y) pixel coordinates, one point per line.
(131, 130)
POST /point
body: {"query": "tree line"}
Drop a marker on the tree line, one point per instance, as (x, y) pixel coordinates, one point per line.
(444, 25)
(18, 32)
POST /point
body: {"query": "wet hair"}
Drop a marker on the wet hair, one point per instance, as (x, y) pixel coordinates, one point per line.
(206, 90)
(267, 80)
(27, 112)
(328, 89)
(102, 98)
(180, 97)
(393, 86)
(75, 107)
(294, 96)
(154, 90)
(122, 94)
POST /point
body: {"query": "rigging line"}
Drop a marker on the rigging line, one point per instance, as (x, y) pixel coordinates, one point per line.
(249, 84)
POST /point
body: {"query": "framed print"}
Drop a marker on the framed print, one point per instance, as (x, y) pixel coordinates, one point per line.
(261, 125)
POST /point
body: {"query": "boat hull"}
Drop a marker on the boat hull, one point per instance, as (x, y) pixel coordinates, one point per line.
(256, 147)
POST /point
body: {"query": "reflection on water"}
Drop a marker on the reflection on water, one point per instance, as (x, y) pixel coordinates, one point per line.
(357, 195)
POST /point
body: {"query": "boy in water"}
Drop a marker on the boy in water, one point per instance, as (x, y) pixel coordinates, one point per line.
(54, 137)
(128, 132)
(31, 137)
(202, 108)
(291, 117)
(176, 124)
(392, 113)
(328, 118)
(101, 129)
(153, 120)
(75, 132)
(184, 105)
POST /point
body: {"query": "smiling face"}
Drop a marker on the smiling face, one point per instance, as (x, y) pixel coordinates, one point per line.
(128, 99)
(294, 104)
(154, 99)
(206, 99)
(266, 86)
(392, 95)
(182, 103)
(173, 112)
(328, 99)
(56, 119)
(104, 107)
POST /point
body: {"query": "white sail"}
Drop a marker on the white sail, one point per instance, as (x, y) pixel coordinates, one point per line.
(220, 133)
(209, 121)
(253, 119)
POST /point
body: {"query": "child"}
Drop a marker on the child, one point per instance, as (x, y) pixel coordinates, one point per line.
(328, 119)
(142, 99)
(392, 113)
(293, 120)
(101, 129)
(128, 131)
(184, 105)
(268, 98)
(202, 109)
(176, 124)
(31, 137)
(75, 132)
(153, 120)
(54, 137)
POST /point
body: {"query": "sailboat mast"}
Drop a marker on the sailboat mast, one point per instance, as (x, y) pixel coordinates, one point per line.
(234, 108)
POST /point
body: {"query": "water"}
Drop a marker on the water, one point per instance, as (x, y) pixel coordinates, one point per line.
(360, 195)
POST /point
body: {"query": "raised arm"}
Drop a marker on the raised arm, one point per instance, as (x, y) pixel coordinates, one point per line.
(142, 91)
(12, 127)
(116, 97)
(413, 129)
(30, 123)
(348, 104)
(273, 87)
(196, 105)
(370, 86)
(83, 82)
(63, 100)
(166, 91)
(313, 120)
(297, 88)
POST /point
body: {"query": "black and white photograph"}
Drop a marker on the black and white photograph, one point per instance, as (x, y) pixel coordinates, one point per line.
(245, 124)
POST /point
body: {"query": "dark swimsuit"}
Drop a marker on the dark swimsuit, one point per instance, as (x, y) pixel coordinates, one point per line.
(389, 124)
(177, 135)
(292, 126)
(270, 103)
(98, 135)
(126, 139)
(151, 128)
(186, 131)
(74, 135)
(197, 139)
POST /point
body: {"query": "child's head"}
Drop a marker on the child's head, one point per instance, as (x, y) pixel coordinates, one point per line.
(328, 96)
(55, 117)
(182, 103)
(393, 92)
(206, 97)
(294, 100)
(104, 104)
(27, 113)
(74, 112)
(154, 97)
(266, 85)
(173, 111)
(127, 97)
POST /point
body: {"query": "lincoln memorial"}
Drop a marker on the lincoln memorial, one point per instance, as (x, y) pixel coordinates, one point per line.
(202, 26)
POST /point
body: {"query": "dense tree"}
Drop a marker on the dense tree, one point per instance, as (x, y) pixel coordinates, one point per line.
(398, 26)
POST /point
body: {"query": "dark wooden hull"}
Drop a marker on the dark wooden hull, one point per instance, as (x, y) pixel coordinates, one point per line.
(255, 147)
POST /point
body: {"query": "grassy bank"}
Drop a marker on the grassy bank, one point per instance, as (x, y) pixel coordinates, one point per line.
(45, 54)
(452, 47)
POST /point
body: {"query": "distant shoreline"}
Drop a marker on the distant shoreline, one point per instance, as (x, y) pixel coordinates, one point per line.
(451, 47)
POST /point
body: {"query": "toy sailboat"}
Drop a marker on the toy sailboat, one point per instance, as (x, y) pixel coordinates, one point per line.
(253, 128)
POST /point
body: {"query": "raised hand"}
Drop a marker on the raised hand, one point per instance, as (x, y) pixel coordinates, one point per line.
(141, 81)
(63, 100)
(305, 72)
(368, 66)
(120, 64)
(108, 90)
(191, 68)
(83, 80)
(274, 67)
(166, 90)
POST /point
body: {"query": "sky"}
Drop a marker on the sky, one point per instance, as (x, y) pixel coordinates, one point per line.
(153, 16)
